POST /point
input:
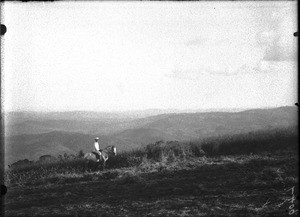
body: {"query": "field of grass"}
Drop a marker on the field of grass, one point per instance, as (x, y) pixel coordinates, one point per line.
(240, 175)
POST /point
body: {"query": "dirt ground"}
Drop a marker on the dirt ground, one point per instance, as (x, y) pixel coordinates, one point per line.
(228, 187)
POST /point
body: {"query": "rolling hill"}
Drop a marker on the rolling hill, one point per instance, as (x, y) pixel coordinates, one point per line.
(57, 136)
(18, 123)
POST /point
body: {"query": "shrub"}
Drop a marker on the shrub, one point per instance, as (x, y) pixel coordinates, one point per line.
(171, 150)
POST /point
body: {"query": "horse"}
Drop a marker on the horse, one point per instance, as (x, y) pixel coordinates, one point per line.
(103, 156)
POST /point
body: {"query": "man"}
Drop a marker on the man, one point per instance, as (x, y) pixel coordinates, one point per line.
(97, 149)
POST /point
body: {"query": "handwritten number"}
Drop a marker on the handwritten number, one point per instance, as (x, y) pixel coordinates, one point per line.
(291, 212)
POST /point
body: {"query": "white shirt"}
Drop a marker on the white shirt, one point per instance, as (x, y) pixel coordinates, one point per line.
(96, 144)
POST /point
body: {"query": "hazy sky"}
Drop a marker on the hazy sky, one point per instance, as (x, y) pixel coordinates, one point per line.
(139, 55)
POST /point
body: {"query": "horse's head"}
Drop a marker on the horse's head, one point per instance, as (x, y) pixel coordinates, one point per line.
(114, 150)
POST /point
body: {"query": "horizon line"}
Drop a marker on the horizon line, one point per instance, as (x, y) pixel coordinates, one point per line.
(143, 110)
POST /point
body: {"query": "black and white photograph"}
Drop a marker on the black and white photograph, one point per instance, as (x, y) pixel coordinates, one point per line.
(149, 108)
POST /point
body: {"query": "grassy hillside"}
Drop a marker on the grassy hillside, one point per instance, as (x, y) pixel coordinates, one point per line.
(232, 186)
(267, 141)
(238, 175)
(129, 134)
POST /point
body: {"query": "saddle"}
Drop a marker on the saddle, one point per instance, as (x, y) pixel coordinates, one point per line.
(96, 154)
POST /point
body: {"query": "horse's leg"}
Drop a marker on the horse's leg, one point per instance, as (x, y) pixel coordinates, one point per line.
(104, 165)
(98, 165)
(87, 165)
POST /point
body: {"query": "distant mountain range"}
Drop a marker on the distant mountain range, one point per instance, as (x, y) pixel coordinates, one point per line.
(30, 135)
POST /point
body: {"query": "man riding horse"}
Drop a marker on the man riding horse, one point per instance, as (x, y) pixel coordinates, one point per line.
(101, 154)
